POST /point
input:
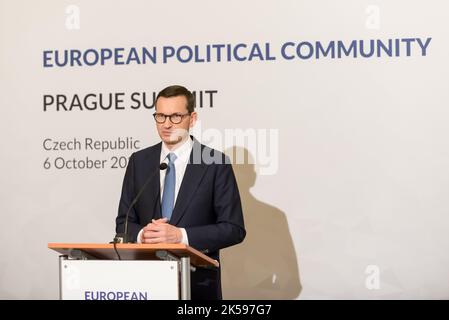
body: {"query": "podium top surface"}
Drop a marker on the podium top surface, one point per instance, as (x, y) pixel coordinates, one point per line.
(135, 251)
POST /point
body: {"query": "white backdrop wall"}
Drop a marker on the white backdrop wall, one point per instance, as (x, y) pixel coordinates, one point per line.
(348, 197)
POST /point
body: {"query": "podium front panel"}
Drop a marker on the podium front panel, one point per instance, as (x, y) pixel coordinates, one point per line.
(119, 280)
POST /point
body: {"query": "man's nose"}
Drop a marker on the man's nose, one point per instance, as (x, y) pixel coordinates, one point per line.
(167, 123)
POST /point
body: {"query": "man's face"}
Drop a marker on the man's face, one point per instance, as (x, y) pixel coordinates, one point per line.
(169, 132)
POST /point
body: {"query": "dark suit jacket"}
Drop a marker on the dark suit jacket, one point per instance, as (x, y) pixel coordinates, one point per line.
(208, 206)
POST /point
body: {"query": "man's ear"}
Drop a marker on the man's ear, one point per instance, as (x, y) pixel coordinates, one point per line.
(193, 118)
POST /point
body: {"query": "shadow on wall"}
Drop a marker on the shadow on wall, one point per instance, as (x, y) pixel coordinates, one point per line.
(264, 266)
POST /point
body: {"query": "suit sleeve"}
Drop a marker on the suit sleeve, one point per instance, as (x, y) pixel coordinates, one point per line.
(127, 196)
(229, 227)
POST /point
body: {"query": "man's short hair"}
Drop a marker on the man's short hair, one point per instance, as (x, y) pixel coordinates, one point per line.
(175, 91)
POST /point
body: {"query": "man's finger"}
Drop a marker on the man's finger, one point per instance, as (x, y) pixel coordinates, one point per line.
(154, 240)
(161, 220)
(152, 234)
(157, 227)
(154, 227)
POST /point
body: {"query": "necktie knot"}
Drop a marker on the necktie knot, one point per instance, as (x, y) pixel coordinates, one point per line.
(171, 157)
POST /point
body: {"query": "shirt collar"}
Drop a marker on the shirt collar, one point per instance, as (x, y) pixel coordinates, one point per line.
(182, 152)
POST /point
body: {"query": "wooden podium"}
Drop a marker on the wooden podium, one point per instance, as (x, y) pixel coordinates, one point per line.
(183, 258)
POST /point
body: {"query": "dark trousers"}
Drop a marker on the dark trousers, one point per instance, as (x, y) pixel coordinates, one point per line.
(205, 284)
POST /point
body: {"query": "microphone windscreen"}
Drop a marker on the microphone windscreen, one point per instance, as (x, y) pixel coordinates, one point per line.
(163, 166)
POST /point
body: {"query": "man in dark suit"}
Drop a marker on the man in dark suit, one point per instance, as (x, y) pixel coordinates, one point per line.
(194, 201)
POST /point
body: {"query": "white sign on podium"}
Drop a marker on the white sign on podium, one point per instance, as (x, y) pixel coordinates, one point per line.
(119, 280)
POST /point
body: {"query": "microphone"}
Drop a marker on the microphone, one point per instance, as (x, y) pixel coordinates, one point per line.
(123, 237)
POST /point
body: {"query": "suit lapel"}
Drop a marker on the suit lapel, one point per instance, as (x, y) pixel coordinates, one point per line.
(192, 177)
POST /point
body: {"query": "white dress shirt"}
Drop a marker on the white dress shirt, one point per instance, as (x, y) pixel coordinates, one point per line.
(182, 153)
